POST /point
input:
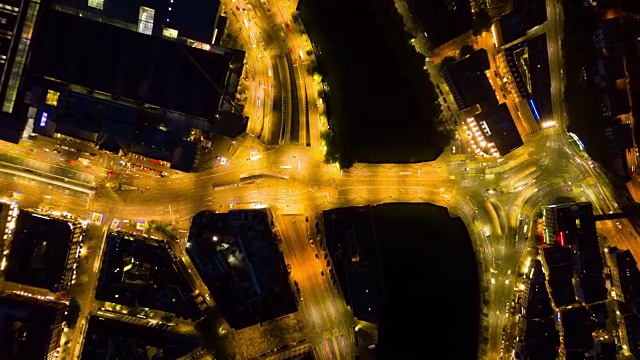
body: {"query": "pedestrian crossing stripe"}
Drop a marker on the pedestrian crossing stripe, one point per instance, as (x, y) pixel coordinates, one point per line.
(459, 157)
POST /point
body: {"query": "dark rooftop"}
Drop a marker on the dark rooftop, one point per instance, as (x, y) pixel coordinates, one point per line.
(25, 329)
(628, 274)
(128, 64)
(39, 251)
(541, 339)
(469, 83)
(143, 272)
(539, 304)
(194, 19)
(526, 15)
(577, 326)
(608, 32)
(12, 127)
(238, 258)
(351, 244)
(560, 275)
(504, 132)
(539, 75)
(110, 339)
(443, 20)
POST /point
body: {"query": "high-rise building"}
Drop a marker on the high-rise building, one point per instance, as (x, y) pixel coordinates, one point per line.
(17, 20)
(564, 223)
(150, 83)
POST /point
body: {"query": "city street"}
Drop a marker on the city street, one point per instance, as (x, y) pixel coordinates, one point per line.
(491, 196)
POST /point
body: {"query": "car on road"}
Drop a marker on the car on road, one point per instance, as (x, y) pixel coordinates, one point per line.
(322, 272)
(317, 257)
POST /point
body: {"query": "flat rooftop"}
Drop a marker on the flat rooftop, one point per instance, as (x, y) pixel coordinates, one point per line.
(130, 65)
(539, 75)
(504, 132)
(105, 338)
(443, 20)
(560, 275)
(237, 256)
(25, 329)
(39, 251)
(138, 271)
(541, 339)
(351, 244)
(577, 326)
(194, 20)
(469, 81)
(539, 302)
(526, 15)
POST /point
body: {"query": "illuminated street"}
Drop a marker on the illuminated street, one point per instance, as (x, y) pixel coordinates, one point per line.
(491, 196)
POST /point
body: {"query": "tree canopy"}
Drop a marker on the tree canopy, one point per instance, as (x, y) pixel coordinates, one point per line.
(73, 313)
(466, 50)
(481, 22)
(447, 61)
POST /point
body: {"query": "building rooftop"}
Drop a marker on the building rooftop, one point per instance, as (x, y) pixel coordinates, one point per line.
(194, 19)
(577, 327)
(351, 244)
(628, 274)
(143, 272)
(614, 102)
(502, 129)
(26, 329)
(560, 274)
(469, 83)
(443, 20)
(131, 65)
(568, 223)
(539, 304)
(541, 340)
(238, 258)
(526, 15)
(106, 337)
(39, 251)
(12, 127)
(608, 32)
(540, 76)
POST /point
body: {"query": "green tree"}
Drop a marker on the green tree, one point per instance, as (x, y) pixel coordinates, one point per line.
(481, 22)
(466, 50)
(73, 313)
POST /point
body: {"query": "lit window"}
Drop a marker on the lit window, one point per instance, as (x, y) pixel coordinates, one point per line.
(43, 119)
(170, 33)
(145, 20)
(52, 98)
(96, 4)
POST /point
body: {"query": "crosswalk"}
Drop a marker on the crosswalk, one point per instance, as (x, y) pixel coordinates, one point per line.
(590, 181)
(458, 157)
(335, 332)
(183, 227)
(318, 154)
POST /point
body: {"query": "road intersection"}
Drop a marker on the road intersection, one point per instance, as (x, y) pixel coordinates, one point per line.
(295, 183)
